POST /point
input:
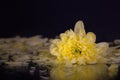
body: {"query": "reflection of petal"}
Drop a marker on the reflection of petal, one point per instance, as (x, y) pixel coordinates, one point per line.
(91, 36)
(79, 28)
(87, 72)
(113, 70)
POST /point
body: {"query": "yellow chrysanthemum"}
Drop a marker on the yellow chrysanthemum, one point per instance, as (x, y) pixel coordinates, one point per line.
(77, 47)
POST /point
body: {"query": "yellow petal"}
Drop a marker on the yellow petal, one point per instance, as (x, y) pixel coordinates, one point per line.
(91, 36)
(79, 28)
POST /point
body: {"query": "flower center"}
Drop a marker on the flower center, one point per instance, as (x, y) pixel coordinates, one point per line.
(76, 51)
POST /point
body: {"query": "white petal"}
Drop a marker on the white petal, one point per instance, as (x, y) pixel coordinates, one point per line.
(102, 48)
(79, 28)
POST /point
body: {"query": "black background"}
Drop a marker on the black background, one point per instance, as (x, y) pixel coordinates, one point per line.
(52, 17)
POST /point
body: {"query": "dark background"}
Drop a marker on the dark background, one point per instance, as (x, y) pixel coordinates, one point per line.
(51, 17)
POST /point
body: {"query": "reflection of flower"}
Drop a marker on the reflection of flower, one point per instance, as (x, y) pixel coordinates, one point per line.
(77, 47)
(85, 72)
